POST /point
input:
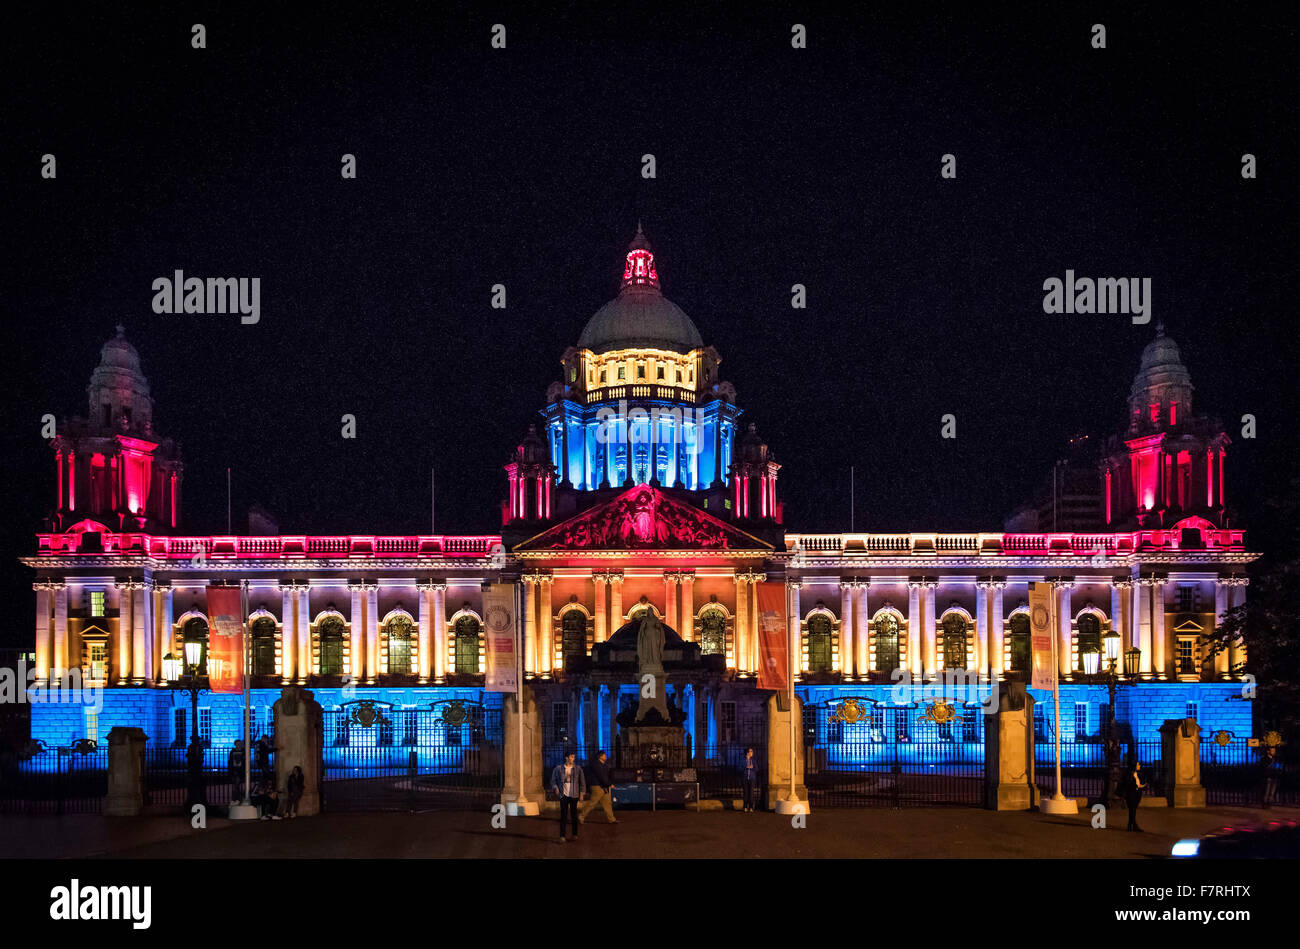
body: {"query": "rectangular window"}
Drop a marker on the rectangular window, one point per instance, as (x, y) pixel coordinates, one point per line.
(1186, 655)
(640, 371)
(96, 602)
(205, 727)
(622, 372)
(660, 372)
(877, 723)
(1080, 720)
(602, 377)
(385, 729)
(1040, 722)
(98, 671)
(970, 724)
(679, 376)
(410, 723)
(1193, 710)
(92, 724)
(902, 724)
(180, 727)
(560, 721)
(727, 724)
(1187, 599)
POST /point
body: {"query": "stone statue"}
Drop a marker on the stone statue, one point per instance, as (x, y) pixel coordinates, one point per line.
(650, 645)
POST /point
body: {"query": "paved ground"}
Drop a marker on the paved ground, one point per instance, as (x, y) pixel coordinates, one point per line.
(928, 832)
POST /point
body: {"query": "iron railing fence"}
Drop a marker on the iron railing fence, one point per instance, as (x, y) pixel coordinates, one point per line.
(41, 779)
(1237, 774)
(1083, 767)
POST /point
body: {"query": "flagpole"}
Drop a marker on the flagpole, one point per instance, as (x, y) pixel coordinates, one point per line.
(792, 804)
(244, 810)
(1058, 803)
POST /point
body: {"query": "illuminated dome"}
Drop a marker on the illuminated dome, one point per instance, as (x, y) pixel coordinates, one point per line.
(1163, 387)
(640, 317)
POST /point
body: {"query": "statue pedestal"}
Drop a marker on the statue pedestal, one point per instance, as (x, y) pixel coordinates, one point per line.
(653, 747)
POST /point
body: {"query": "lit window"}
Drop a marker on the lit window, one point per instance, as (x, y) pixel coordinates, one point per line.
(679, 375)
(92, 724)
(1186, 655)
(98, 662)
(602, 376)
(660, 372)
(1155, 411)
(1080, 720)
(573, 375)
(622, 372)
(640, 371)
(205, 726)
(1173, 413)
(96, 602)
(1193, 710)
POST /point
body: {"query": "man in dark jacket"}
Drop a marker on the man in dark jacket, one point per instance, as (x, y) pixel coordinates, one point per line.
(569, 784)
(601, 789)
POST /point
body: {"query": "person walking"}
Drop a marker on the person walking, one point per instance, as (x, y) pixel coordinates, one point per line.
(1272, 773)
(751, 780)
(569, 784)
(1133, 788)
(601, 790)
(295, 784)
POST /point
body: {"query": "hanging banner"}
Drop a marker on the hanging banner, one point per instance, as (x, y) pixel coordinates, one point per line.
(1040, 636)
(225, 640)
(499, 628)
(773, 637)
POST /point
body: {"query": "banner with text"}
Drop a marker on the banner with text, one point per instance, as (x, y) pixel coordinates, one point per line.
(225, 640)
(773, 637)
(1041, 631)
(499, 628)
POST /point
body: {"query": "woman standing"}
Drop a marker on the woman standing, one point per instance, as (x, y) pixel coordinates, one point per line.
(1133, 788)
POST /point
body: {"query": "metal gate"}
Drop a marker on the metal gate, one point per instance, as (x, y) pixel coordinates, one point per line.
(863, 753)
(376, 757)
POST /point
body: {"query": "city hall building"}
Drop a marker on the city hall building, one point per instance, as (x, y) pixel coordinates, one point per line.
(641, 487)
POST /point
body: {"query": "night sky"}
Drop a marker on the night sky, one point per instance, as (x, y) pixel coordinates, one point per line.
(522, 166)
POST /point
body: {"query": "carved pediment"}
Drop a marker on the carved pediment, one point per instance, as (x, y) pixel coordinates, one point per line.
(644, 518)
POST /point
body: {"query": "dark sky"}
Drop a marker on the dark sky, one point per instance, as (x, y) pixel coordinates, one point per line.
(522, 166)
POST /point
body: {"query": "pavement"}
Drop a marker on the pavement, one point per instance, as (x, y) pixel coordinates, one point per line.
(829, 833)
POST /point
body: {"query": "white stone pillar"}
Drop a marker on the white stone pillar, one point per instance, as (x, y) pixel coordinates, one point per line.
(1065, 628)
(546, 631)
(1159, 640)
(847, 652)
(930, 647)
(303, 632)
(530, 624)
(163, 634)
(44, 631)
(688, 607)
(914, 624)
(615, 602)
(862, 631)
(424, 593)
(1236, 597)
(983, 626)
(598, 582)
(439, 632)
(1142, 624)
(372, 633)
(60, 658)
(741, 650)
(997, 633)
(1221, 594)
(356, 629)
(288, 647)
(140, 621)
(125, 624)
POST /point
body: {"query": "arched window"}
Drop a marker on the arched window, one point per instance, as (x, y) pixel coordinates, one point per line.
(263, 637)
(332, 631)
(466, 633)
(885, 629)
(195, 630)
(573, 637)
(1089, 635)
(400, 631)
(819, 643)
(713, 633)
(1021, 650)
(954, 641)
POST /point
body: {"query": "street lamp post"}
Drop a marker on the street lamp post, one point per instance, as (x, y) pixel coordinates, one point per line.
(1091, 657)
(186, 678)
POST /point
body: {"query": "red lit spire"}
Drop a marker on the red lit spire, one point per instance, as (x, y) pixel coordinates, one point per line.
(640, 268)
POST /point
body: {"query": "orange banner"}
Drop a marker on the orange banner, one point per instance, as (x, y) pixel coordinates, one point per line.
(773, 637)
(225, 640)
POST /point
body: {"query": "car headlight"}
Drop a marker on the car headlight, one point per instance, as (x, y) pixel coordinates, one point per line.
(1187, 847)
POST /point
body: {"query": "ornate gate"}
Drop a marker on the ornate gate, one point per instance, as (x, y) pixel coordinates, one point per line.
(864, 753)
(381, 758)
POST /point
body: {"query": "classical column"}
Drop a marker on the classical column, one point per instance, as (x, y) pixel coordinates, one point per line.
(862, 631)
(755, 580)
(914, 623)
(530, 623)
(424, 593)
(439, 631)
(997, 632)
(60, 658)
(688, 606)
(1159, 641)
(847, 652)
(930, 650)
(741, 651)
(303, 599)
(372, 633)
(356, 629)
(1065, 627)
(547, 632)
(141, 621)
(1142, 623)
(794, 625)
(1221, 595)
(44, 633)
(615, 603)
(670, 599)
(983, 626)
(288, 647)
(163, 620)
(125, 624)
(599, 581)
(1236, 597)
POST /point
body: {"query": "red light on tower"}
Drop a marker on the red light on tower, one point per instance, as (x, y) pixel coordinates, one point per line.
(639, 270)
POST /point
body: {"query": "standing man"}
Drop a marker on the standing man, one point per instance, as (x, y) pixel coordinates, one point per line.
(1272, 770)
(751, 780)
(569, 783)
(601, 783)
